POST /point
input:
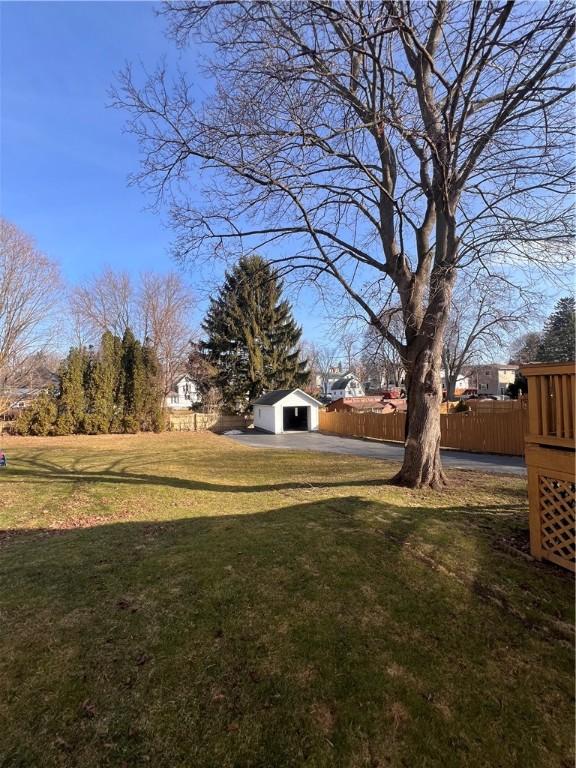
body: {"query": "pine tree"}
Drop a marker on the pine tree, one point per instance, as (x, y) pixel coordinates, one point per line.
(152, 412)
(252, 336)
(559, 337)
(133, 380)
(71, 397)
(116, 355)
(100, 387)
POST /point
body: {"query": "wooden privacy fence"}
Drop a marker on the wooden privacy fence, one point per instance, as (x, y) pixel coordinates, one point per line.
(476, 432)
(497, 406)
(550, 457)
(203, 422)
(487, 406)
(490, 432)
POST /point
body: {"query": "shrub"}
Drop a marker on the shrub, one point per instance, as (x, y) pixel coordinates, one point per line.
(39, 418)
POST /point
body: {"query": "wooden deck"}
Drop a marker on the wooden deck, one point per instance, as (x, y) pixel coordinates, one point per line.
(551, 457)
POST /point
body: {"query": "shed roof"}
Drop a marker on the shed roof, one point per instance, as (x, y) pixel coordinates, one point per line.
(271, 398)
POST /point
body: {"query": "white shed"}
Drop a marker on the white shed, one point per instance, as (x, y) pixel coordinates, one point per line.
(286, 410)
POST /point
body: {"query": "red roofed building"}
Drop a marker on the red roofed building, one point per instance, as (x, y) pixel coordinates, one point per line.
(373, 404)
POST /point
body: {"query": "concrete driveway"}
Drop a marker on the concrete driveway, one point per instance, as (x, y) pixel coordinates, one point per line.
(314, 441)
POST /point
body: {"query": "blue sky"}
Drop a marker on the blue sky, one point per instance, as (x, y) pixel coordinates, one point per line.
(65, 160)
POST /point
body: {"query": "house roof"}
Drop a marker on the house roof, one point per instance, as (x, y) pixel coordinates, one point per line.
(501, 366)
(271, 398)
(343, 382)
(183, 376)
(367, 403)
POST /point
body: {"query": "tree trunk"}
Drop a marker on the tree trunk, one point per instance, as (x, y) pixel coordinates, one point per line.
(451, 388)
(422, 466)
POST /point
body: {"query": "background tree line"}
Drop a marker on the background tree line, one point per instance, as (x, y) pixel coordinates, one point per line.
(555, 343)
(116, 387)
(38, 312)
(251, 342)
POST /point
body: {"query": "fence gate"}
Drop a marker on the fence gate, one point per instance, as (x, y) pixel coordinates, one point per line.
(550, 456)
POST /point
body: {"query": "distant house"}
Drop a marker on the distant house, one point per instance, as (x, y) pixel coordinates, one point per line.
(346, 386)
(492, 378)
(322, 382)
(15, 398)
(183, 395)
(463, 383)
(286, 410)
(382, 382)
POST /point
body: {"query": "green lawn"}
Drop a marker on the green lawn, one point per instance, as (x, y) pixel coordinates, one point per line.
(179, 601)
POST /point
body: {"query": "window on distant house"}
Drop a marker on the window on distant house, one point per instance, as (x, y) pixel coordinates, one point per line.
(259, 412)
(174, 399)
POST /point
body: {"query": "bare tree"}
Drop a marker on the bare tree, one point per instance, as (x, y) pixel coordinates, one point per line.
(381, 359)
(348, 344)
(158, 308)
(525, 348)
(164, 304)
(29, 294)
(309, 352)
(393, 143)
(105, 302)
(212, 401)
(322, 360)
(484, 312)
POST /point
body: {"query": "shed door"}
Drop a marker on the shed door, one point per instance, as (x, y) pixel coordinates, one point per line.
(295, 418)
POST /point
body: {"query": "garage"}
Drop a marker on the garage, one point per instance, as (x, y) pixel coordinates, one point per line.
(295, 418)
(286, 410)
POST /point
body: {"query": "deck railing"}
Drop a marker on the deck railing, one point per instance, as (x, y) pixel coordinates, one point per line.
(550, 457)
(551, 404)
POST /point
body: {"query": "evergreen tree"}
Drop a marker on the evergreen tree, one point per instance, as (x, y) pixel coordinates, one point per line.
(71, 397)
(152, 411)
(133, 381)
(39, 417)
(252, 336)
(520, 386)
(526, 348)
(101, 379)
(559, 337)
(117, 388)
(116, 355)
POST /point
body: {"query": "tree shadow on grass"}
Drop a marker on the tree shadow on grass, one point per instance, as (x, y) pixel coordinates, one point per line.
(117, 473)
(315, 634)
(120, 472)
